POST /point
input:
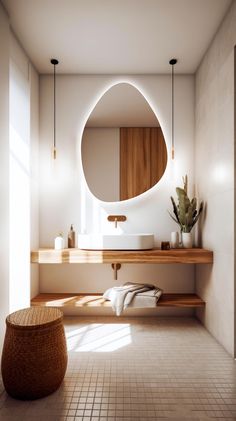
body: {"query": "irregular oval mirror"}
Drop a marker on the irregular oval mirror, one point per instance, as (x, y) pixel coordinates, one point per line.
(123, 149)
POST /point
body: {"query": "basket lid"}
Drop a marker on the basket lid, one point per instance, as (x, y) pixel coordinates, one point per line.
(34, 317)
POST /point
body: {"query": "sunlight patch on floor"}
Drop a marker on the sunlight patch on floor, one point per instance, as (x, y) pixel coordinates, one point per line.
(99, 337)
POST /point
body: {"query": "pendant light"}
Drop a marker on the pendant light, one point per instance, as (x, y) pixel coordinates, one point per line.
(54, 62)
(172, 62)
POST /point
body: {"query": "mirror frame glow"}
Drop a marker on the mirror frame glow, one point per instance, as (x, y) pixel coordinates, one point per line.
(96, 101)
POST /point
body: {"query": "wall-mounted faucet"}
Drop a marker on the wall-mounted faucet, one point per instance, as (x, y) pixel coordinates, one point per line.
(116, 267)
(116, 218)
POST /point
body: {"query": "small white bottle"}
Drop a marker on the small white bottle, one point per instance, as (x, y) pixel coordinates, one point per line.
(174, 240)
(59, 242)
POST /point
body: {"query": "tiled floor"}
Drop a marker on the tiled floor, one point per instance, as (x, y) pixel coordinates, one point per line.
(137, 369)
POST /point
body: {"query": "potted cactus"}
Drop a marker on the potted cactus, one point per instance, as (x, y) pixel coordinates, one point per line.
(185, 212)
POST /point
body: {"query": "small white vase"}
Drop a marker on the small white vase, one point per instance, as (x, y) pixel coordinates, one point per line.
(187, 240)
(59, 242)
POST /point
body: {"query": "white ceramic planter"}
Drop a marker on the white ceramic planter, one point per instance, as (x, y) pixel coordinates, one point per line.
(187, 240)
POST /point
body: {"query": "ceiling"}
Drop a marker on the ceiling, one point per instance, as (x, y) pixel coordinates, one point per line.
(116, 36)
(122, 106)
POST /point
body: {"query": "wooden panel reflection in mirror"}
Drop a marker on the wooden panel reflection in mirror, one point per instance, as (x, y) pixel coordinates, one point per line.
(143, 159)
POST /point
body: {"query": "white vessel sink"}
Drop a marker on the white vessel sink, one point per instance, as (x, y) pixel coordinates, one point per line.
(116, 241)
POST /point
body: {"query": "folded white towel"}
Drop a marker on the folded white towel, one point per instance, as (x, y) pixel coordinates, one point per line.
(122, 296)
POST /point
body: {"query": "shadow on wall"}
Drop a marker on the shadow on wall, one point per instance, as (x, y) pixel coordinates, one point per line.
(200, 226)
(205, 273)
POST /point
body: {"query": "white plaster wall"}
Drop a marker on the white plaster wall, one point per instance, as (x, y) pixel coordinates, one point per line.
(24, 223)
(34, 196)
(4, 166)
(101, 161)
(215, 179)
(19, 185)
(64, 195)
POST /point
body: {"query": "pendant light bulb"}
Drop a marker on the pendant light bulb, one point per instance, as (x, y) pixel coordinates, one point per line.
(54, 62)
(172, 62)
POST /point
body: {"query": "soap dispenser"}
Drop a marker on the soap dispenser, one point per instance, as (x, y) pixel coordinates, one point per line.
(71, 238)
(59, 242)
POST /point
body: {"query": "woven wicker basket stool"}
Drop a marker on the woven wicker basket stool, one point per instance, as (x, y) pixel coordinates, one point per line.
(34, 357)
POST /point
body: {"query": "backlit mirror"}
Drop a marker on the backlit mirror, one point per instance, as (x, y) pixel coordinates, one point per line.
(123, 149)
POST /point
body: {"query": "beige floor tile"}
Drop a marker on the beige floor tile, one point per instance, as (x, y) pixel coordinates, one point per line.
(130, 369)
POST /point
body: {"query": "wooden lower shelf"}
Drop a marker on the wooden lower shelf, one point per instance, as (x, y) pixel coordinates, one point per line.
(189, 256)
(96, 300)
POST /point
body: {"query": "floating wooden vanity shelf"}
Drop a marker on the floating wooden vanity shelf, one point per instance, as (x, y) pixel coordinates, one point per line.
(96, 300)
(51, 256)
(188, 256)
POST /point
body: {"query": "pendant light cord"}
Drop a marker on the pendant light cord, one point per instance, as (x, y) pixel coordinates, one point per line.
(172, 62)
(54, 110)
(54, 62)
(172, 116)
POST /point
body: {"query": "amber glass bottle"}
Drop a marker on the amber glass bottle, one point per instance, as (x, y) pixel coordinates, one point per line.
(71, 238)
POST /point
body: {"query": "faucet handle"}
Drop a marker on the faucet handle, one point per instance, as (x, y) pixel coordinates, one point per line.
(120, 218)
(116, 218)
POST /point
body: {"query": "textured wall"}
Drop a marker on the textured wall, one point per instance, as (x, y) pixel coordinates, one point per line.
(215, 179)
